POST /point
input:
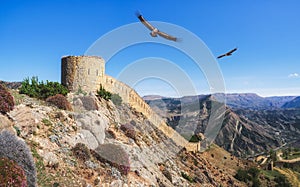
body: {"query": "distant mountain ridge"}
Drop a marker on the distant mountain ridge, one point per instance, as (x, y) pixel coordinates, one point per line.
(295, 103)
(240, 100)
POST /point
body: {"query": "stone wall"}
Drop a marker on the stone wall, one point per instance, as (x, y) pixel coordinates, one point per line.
(88, 72)
(130, 96)
(82, 72)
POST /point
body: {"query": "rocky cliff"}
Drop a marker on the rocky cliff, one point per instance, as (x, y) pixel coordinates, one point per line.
(100, 144)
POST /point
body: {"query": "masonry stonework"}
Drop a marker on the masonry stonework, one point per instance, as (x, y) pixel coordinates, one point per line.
(82, 72)
(88, 72)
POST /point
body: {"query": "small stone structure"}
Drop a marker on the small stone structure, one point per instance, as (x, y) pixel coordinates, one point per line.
(86, 73)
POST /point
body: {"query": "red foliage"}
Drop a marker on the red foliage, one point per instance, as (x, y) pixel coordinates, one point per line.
(11, 174)
(6, 100)
(60, 101)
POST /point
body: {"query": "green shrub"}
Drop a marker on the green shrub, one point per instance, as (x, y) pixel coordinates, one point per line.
(46, 122)
(6, 100)
(273, 155)
(11, 174)
(187, 177)
(17, 130)
(81, 152)
(103, 93)
(282, 181)
(195, 138)
(242, 175)
(60, 101)
(256, 182)
(114, 155)
(116, 99)
(14, 149)
(252, 174)
(33, 88)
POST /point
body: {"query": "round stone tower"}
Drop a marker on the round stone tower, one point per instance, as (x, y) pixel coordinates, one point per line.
(82, 72)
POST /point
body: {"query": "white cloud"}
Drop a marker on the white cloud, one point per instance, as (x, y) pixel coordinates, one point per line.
(294, 75)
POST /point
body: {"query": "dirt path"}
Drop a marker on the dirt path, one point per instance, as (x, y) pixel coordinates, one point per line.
(290, 176)
(287, 161)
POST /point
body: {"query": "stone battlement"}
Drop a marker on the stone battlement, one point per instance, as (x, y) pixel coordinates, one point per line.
(88, 72)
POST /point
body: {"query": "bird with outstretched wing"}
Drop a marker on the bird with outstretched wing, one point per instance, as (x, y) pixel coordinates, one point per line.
(228, 53)
(154, 31)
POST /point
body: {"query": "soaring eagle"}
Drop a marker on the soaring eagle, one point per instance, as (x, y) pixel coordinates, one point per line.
(154, 31)
(228, 53)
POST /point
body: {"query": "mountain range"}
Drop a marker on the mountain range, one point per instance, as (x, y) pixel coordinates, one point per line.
(251, 124)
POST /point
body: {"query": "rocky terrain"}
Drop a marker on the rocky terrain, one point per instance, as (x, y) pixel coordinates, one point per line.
(101, 144)
(251, 124)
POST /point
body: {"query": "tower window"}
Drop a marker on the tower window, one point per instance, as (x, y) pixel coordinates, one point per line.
(97, 73)
(88, 71)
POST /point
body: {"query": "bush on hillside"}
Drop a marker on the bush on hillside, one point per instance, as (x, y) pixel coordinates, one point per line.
(102, 93)
(116, 99)
(187, 177)
(195, 138)
(252, 174)
(33, 88)
(6, 100)
(11, 174)
(60, 101)
(129, 130)
(114, 155)
(282, 181)
(17, 150)
(81, 152)
(242, 175)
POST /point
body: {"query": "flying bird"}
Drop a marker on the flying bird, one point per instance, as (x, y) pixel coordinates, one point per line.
(228, 53)
(154, 31)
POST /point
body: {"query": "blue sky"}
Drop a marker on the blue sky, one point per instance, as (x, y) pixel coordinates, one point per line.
(34, 36)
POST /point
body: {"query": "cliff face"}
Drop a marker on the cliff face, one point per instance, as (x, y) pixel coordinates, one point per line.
(102, 144)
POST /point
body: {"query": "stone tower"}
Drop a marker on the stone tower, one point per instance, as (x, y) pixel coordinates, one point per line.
(82, 72)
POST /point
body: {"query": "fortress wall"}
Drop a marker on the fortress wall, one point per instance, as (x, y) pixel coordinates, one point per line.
(82, 72)
(114, 86)
(87, 73)
(130, 96)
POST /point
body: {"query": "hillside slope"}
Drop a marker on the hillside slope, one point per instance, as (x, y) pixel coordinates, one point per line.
(99, 143)
(244, 132)
(295, 103)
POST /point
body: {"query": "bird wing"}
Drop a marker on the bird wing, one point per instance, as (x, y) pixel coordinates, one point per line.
(228, 53)
(146, 23)
(167, 36)
(221, 56)
(232, 51)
